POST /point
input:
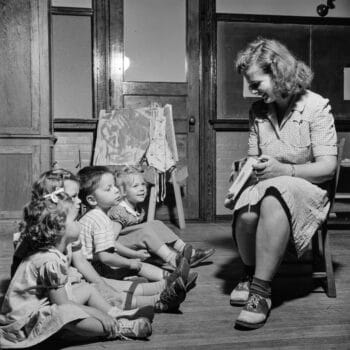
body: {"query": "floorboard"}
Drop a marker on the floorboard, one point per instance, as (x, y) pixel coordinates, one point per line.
(303, 317)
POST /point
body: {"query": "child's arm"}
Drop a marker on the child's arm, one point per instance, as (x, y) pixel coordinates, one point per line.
(115, 260)
(85, 268)
(131, 253)
(125, 251)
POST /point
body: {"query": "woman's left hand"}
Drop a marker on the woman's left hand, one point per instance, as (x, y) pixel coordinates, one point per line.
(268, 167)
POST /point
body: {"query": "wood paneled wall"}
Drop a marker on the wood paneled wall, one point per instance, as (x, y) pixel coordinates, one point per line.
(25, 132)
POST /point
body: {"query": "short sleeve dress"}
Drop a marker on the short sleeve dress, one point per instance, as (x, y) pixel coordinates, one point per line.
(306, 132)
(27, 316)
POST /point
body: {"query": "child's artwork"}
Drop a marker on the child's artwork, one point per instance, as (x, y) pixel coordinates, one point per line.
(127, 136)
(122, 136)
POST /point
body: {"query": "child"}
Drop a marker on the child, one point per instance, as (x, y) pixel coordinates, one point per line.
(98, 236)
(162, 295)
(43, 298)
(154, 236)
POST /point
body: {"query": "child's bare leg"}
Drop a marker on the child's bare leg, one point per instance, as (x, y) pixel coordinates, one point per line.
(138, 301)
(151, 272)
(86, 294)
(271, 239)
(245, 232)
(142, 289)
(88, 328)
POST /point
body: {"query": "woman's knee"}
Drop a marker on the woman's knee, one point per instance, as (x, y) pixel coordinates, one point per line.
(270, 205)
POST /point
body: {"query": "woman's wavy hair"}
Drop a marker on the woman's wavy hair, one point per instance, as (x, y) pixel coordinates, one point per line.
(44, 220)
(290, 75)
(125, 176)
(50, 180)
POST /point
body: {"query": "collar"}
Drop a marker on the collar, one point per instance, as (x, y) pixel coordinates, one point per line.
(129, 209)
(57, 252)
(299, 104)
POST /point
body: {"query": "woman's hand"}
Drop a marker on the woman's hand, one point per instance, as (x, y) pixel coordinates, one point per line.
(268, 167)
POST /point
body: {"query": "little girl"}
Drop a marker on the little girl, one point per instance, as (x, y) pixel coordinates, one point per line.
(43, 297)
(165, 295)
(154, 236)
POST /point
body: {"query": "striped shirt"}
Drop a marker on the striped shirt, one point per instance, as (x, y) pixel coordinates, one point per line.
(97, 234)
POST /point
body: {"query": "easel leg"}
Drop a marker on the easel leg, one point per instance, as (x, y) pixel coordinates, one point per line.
(178, 199)
(152, 204)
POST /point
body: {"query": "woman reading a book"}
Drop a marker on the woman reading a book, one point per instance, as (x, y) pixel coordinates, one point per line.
(293, 138)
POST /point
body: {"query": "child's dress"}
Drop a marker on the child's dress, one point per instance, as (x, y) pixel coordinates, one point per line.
(135, 231)
(27, 316)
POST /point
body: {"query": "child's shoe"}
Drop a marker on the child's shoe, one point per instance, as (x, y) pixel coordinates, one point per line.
(187, 252)
(171, 297)
(200, 255)
(140, 328)
(182, 267)
(144, 311)
(240, 294)
(255, 312)
(191, 281)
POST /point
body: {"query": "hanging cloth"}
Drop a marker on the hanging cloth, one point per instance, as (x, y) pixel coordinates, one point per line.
(158, 153)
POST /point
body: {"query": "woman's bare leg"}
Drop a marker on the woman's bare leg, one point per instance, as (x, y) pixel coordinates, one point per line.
(245, 231)
(271, 238)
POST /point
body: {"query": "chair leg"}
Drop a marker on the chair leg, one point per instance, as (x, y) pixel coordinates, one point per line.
(152, 204)
(178, 199)
(331, 289)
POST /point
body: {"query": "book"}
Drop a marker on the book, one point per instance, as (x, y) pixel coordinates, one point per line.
(237, 185)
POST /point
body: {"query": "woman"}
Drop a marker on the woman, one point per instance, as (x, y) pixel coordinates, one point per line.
(293, 136)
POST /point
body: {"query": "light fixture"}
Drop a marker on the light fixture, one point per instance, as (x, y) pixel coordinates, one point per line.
(322, 10)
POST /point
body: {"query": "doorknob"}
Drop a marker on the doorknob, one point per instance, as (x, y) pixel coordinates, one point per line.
(191, 123)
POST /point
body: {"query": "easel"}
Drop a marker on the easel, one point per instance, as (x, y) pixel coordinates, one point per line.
(179, 207)
(109, 152)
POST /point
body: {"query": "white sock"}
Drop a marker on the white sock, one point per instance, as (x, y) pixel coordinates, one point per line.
(179, 245)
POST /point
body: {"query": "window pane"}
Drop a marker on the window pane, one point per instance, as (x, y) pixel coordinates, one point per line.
(71, 67)
(72, 3)
(155, 40)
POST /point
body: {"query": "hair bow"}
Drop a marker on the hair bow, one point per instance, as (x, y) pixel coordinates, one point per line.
(53, 195)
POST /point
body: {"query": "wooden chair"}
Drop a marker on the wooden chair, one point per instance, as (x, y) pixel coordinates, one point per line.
(321, 252)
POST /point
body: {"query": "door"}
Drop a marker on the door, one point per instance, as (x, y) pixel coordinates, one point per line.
(138, 86)
(25, 133)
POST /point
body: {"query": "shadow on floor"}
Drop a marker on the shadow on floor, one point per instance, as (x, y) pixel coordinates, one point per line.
(293, 279)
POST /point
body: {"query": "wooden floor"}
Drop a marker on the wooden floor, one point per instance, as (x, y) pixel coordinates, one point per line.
(303, 317)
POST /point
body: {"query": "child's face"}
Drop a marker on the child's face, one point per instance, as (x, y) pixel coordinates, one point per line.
(73, 227)
(72, 189)
(107, 194)
(136, 190)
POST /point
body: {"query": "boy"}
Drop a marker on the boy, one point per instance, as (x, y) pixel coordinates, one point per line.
(99, 235)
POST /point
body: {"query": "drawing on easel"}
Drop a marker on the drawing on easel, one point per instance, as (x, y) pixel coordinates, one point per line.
(142, 136)
(123, 136)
